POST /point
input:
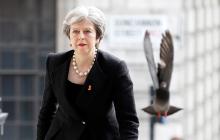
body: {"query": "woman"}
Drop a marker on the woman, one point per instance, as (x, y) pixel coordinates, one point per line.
(88, 93)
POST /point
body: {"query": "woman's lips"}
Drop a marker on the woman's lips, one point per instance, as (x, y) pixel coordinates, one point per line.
(81, 45)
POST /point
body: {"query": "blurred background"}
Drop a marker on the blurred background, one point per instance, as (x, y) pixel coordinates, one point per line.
(29, 29)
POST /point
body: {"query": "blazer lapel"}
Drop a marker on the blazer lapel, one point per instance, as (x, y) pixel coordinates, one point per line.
(61, 75)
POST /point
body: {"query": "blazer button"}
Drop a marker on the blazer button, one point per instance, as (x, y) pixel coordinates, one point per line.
(83, 122)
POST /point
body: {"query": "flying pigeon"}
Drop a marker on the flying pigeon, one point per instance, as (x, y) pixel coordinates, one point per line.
(160, 75)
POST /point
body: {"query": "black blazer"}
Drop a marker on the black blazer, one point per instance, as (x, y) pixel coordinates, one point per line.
(109, 105)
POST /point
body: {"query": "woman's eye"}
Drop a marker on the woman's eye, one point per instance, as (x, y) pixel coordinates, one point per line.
(75, 31)
(87, 31)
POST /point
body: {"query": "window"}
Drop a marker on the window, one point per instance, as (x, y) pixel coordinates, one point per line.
(9, 132)
(41, 85)
(9, 107)
(8, 86)
(26, 86)
(7, 59)
(26, 58)
(26, 111)
(26, 132)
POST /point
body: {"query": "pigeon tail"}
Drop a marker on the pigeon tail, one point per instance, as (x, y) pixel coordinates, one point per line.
(172, 110)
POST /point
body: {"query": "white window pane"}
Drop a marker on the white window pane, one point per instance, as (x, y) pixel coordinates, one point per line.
(208, 132)
(191, 21)
(190, 125)
(208, 86)
(200, 17)
(216, 15)
(208, 62)
(209, 17)
(200, 92)
(200, 117)
(215, 102)
(200, 68)
(201, 42)
(200, 136)
(190, 72)
(215, 60)
(190, 52)
(208, 110)
(215, 79)
(190, 99)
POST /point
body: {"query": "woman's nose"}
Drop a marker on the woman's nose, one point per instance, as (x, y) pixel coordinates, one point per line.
(81, 35)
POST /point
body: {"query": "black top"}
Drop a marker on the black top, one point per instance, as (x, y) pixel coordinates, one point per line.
(72, 91)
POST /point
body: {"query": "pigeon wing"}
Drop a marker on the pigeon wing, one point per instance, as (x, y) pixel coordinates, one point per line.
(165, 66)
(150, 59)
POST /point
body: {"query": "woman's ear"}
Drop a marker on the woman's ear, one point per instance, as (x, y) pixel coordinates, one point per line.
(97, 40)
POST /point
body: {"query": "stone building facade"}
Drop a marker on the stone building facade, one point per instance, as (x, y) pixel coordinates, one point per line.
(195, 86)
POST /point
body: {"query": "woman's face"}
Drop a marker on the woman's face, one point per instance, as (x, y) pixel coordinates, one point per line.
(83, 36)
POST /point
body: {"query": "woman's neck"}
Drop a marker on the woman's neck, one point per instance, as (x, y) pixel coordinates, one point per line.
(84, 60)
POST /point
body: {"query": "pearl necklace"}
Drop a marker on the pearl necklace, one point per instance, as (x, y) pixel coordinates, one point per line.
(76, 69)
